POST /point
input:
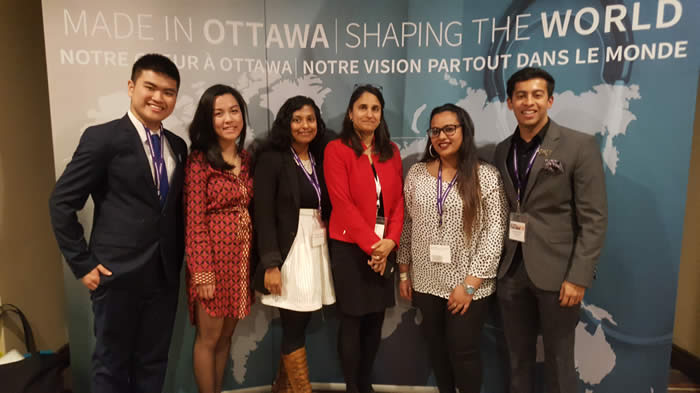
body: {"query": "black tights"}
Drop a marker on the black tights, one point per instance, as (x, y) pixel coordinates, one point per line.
(293, 329)
(358, 342)
(453, 342)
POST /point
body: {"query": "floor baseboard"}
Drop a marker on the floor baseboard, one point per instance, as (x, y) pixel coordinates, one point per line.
(685, 362)
(340, 387)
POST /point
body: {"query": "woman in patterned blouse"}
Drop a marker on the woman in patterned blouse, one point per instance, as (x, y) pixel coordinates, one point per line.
(218, 230)
(454, 223)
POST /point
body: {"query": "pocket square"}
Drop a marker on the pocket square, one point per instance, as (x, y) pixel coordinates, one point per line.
(553, 166)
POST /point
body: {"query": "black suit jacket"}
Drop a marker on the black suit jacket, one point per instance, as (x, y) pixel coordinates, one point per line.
(129, 228)
(276, 208)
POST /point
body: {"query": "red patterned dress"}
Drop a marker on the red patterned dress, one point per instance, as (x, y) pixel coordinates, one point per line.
(218, 236)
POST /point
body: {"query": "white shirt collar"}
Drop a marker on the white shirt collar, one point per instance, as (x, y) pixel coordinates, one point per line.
(140, 128)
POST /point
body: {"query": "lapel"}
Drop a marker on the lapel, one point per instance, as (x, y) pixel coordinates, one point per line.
(143, 168)
(502, 162)
(551, 140)
(289, 173)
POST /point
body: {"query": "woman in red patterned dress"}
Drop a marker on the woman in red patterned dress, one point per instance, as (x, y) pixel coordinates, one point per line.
(218, 189)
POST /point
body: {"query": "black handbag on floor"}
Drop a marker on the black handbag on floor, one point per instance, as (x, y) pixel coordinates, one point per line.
(40, 372)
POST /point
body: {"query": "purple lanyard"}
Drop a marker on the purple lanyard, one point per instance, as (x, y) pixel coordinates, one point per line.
(527, 170)
(313, 178)
(442, 197)
(158, 162)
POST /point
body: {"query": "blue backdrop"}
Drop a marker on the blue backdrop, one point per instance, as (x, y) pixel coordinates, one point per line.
(626, 72)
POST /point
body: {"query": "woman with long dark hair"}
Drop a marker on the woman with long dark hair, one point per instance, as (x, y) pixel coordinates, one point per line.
(291, 206)
(218, 229)
(456, 214)
(363, 172)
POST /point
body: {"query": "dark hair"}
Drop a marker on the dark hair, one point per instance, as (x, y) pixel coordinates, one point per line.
(156, 63)
(202, 135)
(280, 136)
(382, 139)
(467, 166)
(525, 75)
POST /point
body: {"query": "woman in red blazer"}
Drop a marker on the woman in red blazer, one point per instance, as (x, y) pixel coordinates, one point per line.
(364, 178)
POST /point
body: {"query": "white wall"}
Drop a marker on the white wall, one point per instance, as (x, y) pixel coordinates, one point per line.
(30, 274)
(686, 332)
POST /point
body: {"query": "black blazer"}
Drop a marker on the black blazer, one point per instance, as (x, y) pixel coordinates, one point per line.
(129, 227)
(276, 208)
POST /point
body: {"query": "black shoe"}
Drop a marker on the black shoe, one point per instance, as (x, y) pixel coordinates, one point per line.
(366, 389)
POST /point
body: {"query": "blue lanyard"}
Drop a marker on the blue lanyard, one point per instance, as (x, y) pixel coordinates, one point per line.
(313, 178)
(527, 170)
(158, 163)
(441, 197)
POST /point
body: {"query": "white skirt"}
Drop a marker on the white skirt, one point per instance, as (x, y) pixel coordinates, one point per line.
(307, 283)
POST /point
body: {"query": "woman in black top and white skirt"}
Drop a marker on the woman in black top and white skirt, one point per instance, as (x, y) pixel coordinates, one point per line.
(454, 223)
(290, 207)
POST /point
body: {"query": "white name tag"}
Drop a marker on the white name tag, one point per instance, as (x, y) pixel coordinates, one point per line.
(440, 253)
(379, 227)
(517, 227)
(318, 237)
(379, 230)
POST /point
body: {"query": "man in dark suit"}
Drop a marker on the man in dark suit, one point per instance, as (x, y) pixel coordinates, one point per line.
(554, 181)
(133, 170)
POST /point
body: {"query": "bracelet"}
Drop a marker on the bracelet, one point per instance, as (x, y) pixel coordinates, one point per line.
(204, 278)
(403, 276)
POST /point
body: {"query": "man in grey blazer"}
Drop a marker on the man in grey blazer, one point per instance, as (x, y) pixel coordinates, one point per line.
(553, 178)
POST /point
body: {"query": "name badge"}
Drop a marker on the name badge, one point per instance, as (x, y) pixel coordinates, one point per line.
(517, 227)
(440, 253)
(318, 237)
(379, 227)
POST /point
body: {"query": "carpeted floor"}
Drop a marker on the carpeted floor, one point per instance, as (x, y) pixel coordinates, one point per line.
(677, 383)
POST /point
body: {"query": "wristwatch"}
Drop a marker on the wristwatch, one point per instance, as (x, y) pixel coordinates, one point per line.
(469, 288)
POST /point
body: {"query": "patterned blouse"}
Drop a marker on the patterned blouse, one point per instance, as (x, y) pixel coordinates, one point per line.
(477, 256)
(218, 225)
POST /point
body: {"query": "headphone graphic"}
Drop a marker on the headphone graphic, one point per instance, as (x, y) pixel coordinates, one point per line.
(611, 72)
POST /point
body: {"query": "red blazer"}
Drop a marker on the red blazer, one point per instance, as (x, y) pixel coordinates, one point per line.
(351, 188)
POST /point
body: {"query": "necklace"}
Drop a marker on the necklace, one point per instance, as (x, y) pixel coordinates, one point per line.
(307, 166)
(235, 162)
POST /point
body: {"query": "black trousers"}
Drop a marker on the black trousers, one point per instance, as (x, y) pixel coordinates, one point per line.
(526, 310)
(453, 342)
(294, 325)
(358, 343)
(133, 328)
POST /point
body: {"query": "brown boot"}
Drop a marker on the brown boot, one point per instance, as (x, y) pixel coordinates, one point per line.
(297, 371)
(282, 384)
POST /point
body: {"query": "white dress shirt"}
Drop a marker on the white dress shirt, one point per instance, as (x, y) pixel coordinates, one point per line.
(168, 155)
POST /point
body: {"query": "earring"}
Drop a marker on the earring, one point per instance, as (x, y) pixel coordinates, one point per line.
(431, 151)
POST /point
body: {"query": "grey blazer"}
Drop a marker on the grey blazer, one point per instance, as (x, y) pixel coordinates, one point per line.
(566, 207)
